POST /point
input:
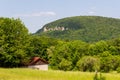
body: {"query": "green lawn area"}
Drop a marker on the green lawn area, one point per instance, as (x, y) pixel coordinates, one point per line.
(30, 74)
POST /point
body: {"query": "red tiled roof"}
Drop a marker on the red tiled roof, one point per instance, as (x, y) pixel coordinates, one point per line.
(36, 59)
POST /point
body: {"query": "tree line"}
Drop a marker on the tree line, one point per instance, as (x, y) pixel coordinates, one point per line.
(18, 46)
(77, 55)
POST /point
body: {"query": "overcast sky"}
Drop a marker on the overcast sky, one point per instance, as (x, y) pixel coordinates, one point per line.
(36, 13)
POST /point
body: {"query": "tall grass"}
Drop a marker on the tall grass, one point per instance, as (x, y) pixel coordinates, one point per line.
(29, 74)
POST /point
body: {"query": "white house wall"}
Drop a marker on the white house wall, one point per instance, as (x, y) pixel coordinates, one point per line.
(39, 67)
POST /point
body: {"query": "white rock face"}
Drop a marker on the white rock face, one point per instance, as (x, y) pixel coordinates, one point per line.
(54, 29)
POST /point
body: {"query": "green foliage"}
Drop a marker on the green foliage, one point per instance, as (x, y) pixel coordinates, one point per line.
(39, 45)
(69, 52)
(65, 65)
(98, 48)
(109, 63)
(86, 28)
(13, 41)
(82, 56)
(118, 70)
(99, 77)
(88, 63)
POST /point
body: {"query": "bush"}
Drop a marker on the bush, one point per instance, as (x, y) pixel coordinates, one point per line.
(100, 77)
(109, 63)
(65, 65)
(118, 70)
(88, 63)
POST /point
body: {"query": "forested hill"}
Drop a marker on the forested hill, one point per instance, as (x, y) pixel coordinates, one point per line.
(86, 28)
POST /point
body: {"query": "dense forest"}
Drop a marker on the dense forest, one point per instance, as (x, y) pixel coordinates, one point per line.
(18, 46)
(85, 28)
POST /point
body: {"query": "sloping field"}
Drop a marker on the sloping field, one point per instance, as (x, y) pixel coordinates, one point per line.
(29, 74)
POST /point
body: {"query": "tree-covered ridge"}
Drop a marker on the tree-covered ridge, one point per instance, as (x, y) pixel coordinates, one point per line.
(86, 28)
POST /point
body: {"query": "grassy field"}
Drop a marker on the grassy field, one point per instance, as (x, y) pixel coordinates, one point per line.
(29, 74)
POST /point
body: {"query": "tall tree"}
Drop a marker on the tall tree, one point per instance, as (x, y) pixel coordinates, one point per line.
(13, 41)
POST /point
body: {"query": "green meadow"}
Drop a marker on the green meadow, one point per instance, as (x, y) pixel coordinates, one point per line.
(30, 74)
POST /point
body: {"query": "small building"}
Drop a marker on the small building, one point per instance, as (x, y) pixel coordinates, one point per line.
(38, 63)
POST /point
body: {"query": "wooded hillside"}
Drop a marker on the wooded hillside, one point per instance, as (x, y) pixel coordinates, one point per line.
(85, 28)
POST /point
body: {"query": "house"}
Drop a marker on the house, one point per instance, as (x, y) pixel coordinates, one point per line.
(38, 63)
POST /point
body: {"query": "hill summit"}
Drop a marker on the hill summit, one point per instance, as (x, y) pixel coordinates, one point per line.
(86, 28)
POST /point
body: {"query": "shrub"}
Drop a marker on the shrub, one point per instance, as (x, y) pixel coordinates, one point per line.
(118, 69)
(65, 65)
(88, 63)
(99, 77)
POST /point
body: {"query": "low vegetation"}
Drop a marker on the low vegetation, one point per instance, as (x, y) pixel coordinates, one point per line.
(29, 74)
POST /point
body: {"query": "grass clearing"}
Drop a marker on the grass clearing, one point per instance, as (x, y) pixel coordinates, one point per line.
(29, 74)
